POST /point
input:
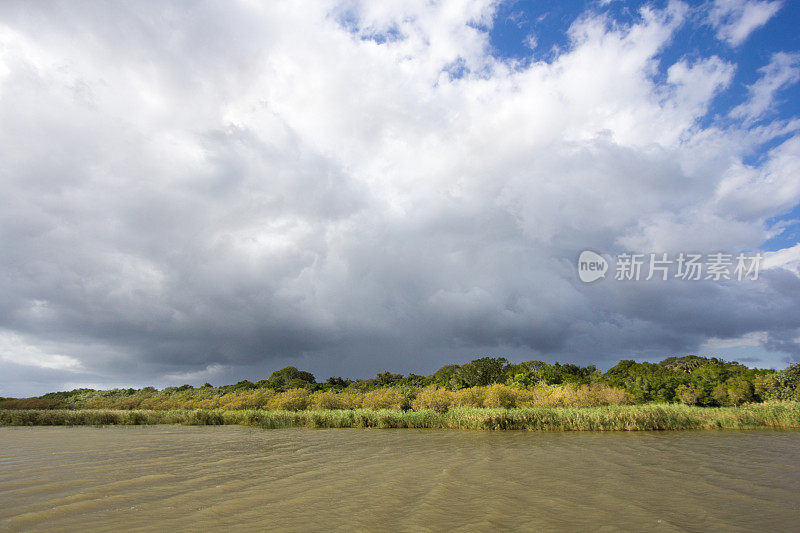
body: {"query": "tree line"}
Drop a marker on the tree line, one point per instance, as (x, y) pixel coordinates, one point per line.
(483, 382)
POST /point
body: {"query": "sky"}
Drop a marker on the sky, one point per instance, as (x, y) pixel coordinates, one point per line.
(208, 191)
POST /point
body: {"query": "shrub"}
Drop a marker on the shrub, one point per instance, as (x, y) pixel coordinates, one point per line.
(383, 399)
(433, 398)
(542, 394)
(322, 400)
(291, 400)
(251, 399)
(26, 403)
(594, 395)
(351, 399)
(613, 395)
(471, 397)
(501, 396)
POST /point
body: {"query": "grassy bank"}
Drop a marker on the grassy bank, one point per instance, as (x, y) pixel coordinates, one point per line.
(611, 418)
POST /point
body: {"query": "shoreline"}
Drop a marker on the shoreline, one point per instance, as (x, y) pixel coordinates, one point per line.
(648, 417)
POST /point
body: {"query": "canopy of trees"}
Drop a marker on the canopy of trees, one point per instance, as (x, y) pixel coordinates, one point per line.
(691, 379)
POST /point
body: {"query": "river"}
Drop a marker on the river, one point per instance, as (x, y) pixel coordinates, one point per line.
(236, 478)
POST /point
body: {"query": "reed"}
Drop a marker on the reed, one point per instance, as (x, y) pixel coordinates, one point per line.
(783, 415)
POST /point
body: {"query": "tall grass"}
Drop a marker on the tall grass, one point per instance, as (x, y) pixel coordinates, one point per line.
(609, 418)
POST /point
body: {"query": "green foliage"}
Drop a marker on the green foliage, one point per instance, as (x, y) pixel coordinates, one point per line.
(337, 383)
(689, 363)
(291, 378)
(739, 391)
(480, 372)
(386, 378)
(690, 394)
(780, 386)
(485, 382)
(415, 381)
(646, 382)
(532, 372)
(442, 376)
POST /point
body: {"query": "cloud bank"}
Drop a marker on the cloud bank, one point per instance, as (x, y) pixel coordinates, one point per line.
(206, 192)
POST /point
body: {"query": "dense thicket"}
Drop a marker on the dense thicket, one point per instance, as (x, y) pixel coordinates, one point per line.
(489, 382)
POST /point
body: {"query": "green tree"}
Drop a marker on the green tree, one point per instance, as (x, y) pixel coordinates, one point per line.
(291, 378)
(442, 376)
(781, 386)
(646, 382)
(740, 390)
(720, 394)
(689, 394)
(480, 372)
(337, 383)
(387, 378)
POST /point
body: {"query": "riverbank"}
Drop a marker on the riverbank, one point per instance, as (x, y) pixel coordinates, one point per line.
(611, 418)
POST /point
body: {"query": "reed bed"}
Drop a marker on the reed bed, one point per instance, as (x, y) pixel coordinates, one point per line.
(609, 418)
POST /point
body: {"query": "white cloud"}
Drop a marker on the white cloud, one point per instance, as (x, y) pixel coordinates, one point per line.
(754, 338)
(756, 193)
(787, 258)
(14, 348)
(208, 373)
(735, 20)
(782, 71)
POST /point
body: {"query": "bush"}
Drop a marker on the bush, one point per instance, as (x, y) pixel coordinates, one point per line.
(351, 399)
(594, 395)
(323, 400)
(500, 396)
(383, 399)
(433, 398)
(252, 399)
(472, 397)
(541, 395)
(27, 403)
(291, 400)
(613, 395)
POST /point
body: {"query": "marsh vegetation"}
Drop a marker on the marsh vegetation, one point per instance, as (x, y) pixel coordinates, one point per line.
(487, 393)
(613, 418)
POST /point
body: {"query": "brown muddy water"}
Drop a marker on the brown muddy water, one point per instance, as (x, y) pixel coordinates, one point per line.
(235, 478)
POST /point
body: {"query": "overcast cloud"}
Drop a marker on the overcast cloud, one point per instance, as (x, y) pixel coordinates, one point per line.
(206, 192)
